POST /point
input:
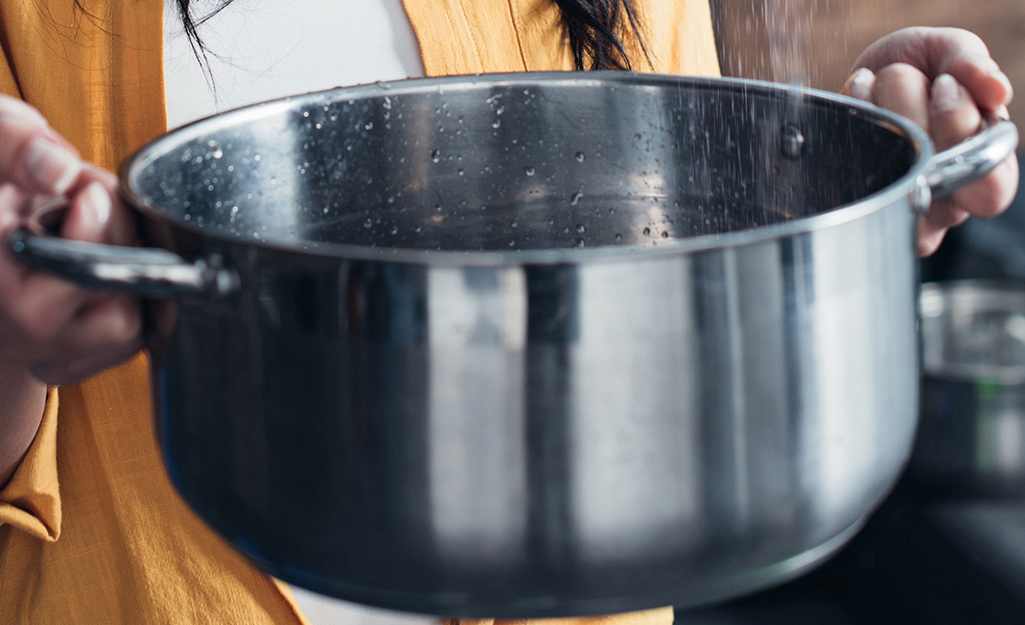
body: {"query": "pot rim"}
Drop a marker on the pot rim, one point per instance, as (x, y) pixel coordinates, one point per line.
(135, 164)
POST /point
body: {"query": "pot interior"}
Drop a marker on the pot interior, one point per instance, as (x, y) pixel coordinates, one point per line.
(519, 162)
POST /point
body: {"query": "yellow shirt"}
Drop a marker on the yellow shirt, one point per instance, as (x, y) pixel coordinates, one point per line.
(91, 530)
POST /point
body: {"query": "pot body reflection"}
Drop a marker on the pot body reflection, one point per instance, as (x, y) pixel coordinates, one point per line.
(536, 439)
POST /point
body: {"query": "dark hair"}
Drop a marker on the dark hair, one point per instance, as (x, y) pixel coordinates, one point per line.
(596, 31)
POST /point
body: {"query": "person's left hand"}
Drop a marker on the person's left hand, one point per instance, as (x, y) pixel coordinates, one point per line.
(942, 79)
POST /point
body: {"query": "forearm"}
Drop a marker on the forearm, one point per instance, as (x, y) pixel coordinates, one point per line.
(22, 399)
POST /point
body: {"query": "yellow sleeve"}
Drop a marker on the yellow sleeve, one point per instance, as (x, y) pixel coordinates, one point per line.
(93, 69)
(31, 501)
(8, 86)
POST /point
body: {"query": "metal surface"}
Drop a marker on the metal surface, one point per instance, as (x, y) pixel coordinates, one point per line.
(968, 161)
(972, 433)
(146, 272)
(539, 344)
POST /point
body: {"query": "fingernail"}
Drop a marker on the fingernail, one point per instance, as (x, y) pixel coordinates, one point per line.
(97, 202)
(859, 84)
(947, 94)
(51, 166)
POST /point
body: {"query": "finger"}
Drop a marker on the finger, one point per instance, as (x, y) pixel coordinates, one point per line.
(105, 328)
(34, 305)
(943, 215)
(89, 216)
(929, 238)
(32, 155)
(37, 305)
(936, 51)
(904, 90)
(953, 116)
(121, 228)
(860, 85)
(94, 212)
(964, 56)
(19, 108)
(994, 193)
(106, 332)
(986, 198)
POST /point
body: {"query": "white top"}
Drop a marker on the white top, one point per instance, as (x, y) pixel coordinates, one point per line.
(263, 50)
(274, 48)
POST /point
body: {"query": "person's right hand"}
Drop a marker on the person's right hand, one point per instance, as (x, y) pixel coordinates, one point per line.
(58, 332)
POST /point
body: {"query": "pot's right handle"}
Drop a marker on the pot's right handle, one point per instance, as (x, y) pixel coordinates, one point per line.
(971, 159)
(143, 272)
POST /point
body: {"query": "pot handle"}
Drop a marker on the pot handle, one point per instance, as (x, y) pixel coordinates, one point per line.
(973, 158)
(143, 272)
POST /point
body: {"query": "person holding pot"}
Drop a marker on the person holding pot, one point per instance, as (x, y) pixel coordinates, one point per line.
(91, 531)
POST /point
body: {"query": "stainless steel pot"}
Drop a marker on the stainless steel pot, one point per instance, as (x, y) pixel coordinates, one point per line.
(539, 344)
(971, 439)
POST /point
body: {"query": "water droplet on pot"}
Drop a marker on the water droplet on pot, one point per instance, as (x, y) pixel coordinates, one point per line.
(581, 157)
(215, 148)
(529, 170)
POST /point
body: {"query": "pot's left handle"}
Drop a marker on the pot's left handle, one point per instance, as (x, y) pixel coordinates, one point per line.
(144, 272)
